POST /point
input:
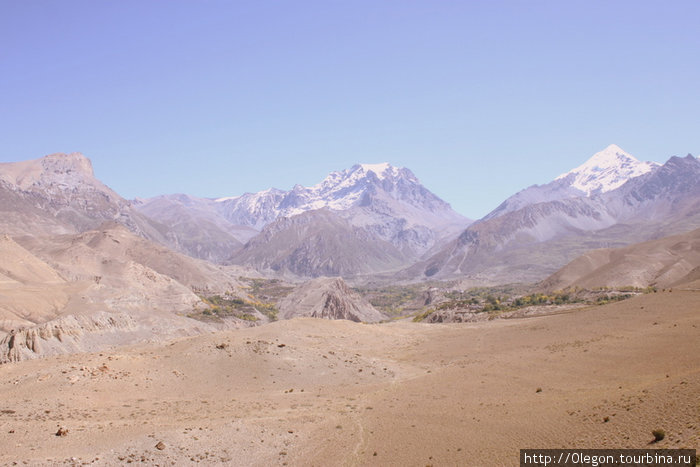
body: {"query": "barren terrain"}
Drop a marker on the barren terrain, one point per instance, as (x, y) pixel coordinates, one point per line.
(319, 392)
(664, 262)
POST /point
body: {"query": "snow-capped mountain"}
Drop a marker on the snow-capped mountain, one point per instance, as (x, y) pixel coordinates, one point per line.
(530, 242)
(339, 191)
(387, 201)
(604, 171)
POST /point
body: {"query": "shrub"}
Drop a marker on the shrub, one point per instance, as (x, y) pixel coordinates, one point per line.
(658, 435)
(420, 317)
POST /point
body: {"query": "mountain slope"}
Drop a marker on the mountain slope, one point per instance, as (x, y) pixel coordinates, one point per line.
(663, 262)
(30, 289)
(82, 274)
(670, 193)
(195, 227)
(59, 194)
(104, 287)
(318, 243)
(90, 254)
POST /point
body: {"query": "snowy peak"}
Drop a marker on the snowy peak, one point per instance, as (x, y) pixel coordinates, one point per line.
(344, 189)
(606, 170)
(365, 184)
(380, 170)
(359, 172)
(388, 200)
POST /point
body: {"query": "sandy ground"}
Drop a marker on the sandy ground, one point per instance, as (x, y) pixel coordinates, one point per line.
(316, 392)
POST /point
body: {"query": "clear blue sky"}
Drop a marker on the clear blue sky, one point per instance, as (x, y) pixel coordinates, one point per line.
(216, 98)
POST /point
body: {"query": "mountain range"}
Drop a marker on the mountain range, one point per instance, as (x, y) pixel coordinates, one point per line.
(377, 204)
(612, 200)
(83, 268)
(372, 220)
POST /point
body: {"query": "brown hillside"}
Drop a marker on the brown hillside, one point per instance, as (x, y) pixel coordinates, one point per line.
(665, 262)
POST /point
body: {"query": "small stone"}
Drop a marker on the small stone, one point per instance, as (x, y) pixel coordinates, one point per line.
(62, 432)
(160, 446)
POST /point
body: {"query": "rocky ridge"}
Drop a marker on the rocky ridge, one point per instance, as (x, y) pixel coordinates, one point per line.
(328, 298)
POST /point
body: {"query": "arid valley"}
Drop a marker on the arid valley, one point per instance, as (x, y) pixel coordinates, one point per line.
(349, 233)
(118, 348)
(318, 392)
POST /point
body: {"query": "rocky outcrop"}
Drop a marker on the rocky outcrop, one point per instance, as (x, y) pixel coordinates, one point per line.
(61, 336)
(94, 332)
(328, 298)
(59, 193)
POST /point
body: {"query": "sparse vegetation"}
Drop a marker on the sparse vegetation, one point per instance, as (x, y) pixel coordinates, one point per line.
(268, 291)
(659, 434)
(228, 306)
(421, 316)
(221, 307)
(497, 300)
(262, 297)
(393, 300)
(603, 299)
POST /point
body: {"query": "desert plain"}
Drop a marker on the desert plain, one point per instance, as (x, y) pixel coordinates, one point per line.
(318, 392)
